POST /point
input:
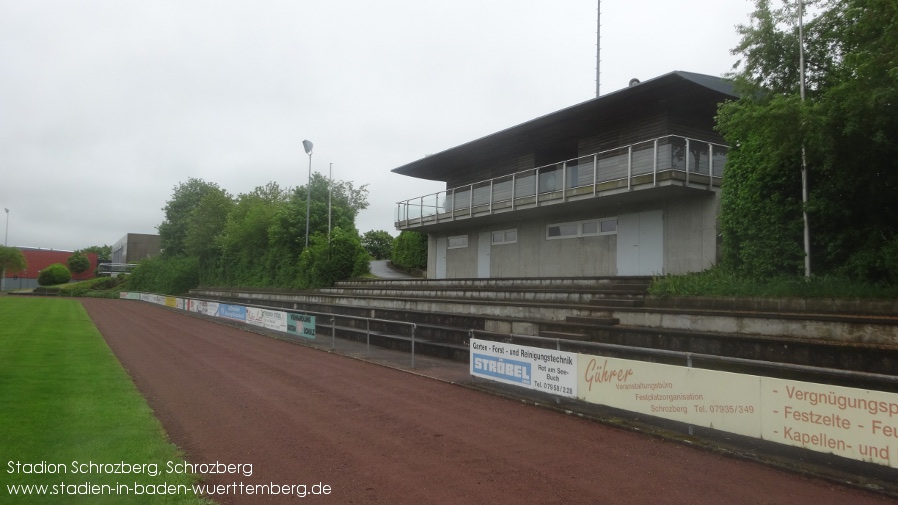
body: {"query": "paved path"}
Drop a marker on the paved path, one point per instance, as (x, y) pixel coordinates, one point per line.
(380, 435)
(381, 268)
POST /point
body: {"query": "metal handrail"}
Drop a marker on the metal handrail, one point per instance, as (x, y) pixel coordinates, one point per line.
(333, 316)
(419, 208)
(368, 320)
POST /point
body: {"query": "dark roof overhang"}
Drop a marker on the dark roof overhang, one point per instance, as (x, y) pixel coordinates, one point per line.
(569, 124)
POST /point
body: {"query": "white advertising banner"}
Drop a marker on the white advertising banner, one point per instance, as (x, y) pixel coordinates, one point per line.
(271, 319)
(720, 400)
(854, 423)
(203, 307)
(531, 367)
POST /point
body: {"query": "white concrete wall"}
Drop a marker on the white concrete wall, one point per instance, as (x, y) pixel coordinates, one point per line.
(690, 244)
(690, 234)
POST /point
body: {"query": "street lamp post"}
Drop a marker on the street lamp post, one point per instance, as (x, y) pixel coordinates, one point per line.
(308, 147)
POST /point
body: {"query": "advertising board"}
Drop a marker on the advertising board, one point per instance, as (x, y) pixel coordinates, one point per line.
(531, 367)
(270, 319)
(235, 312)
(301, 325)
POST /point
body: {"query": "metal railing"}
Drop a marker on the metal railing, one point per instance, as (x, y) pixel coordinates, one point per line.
(368, 320)
(626, 167)
(115, 268)
(412, 327)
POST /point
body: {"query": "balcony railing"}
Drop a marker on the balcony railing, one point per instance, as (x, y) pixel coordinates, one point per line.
(643, 164)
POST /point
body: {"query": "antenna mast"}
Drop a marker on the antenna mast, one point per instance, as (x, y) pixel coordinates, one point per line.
(598, 47)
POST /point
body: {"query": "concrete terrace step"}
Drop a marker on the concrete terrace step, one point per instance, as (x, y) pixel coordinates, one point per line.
(638, 283)
(854, 342)
(601, 291)
(592, 321)
(606, 298)
(510, 309)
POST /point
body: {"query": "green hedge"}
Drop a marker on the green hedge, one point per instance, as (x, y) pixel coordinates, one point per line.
(165, 275)
(410, 250)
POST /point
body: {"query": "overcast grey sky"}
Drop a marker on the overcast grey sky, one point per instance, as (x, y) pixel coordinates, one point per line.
(106, 105)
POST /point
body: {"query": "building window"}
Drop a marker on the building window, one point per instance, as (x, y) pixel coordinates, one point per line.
(564, 230)
(458, 242)
(505, 237)
(591, 228)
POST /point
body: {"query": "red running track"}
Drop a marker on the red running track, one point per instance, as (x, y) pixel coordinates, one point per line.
(378, 435)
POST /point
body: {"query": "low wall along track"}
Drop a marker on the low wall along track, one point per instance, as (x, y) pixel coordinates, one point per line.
(372, 434)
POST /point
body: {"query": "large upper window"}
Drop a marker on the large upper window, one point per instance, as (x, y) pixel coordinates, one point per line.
(592, 227)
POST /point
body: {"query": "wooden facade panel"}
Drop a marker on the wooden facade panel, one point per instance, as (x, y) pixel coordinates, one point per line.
(491, 170)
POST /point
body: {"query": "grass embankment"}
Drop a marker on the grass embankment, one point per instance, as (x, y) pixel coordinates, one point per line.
(98, 287)
(719, 282)
(64, 398)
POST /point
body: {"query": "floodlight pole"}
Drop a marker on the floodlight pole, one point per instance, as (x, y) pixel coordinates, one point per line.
(804, 159)
(330, 190)
(308, 147)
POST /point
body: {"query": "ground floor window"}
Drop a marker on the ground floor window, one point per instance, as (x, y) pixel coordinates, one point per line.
(588, 228)
(505, 237)
(458, 242)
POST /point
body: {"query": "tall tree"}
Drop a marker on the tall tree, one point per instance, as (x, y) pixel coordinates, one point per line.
(246, 251)
(104, 252)
(346, 202)
(204, 230)
(12, 259)
(378, 243)
(847, 126)
(78, 262)
(179, 213)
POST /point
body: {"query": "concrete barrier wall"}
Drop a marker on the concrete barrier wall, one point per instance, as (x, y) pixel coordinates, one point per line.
(853, 423)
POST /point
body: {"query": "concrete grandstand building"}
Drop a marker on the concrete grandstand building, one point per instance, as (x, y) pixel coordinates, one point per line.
(134, 247)
(624, 184)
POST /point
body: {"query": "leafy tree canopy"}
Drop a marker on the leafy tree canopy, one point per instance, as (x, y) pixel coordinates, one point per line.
(12, 259)
(847, 127)
(256, 239)
(179, 213)
(103, 252)
(378, 243)
(78, 262)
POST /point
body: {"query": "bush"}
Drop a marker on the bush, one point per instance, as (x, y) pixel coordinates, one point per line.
(322, 264)
(720, 281)
(57, 273)
(410, 250)
(174, 275)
